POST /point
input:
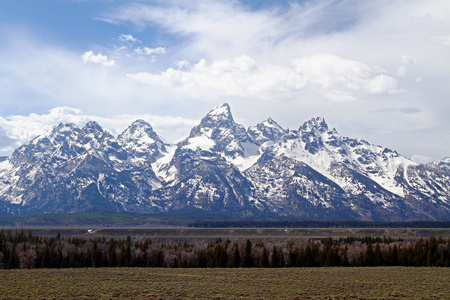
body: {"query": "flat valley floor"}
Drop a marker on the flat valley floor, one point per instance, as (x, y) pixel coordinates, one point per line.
(286, 283)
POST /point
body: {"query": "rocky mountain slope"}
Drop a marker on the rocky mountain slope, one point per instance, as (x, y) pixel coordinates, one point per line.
(265, 171)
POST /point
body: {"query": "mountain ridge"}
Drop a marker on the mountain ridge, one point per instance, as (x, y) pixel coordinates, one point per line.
(309, 173)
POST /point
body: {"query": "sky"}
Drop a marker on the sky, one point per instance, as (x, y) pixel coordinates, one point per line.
(377, 70)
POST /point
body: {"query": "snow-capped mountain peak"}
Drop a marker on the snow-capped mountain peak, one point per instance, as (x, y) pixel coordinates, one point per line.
(317, 124)
(93, 129)
(217, 132)
(221, 111)
(142, 142)
(312, 134)
(266, 133)
(218, 118)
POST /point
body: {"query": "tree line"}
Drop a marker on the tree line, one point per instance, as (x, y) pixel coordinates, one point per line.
(319, 224)
(27, 251)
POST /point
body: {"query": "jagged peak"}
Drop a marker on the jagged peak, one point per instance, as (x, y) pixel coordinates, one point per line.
(266, 126)
(315, 124)
(221, 110)
(140, 126)
(442, 163)
(137, 130)
(219, 113)
(219, 117)
(92, 125)
(93, 129)
(64, 126)
(61, 128)
(273, 124)
(140, 123)
(55, 133)
(270, 121)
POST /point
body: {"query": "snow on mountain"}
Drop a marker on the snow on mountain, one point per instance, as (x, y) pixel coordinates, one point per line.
(72, 169)
(308, 173)
(142, 142)
(266, 133)
(442, 163)
(201, 172)
(218, 134)
(323, 148)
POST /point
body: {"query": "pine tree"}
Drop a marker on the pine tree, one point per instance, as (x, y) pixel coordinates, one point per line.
(112, 256)
(369, 257)
(330, 259)
(201, 259)
(292, 258)
(46, 258)
(248, 259)
(274, 259)
(281, 261)
(236, 260)
(223, 259)
(159, 262)
(264, 261)
(379, 261)
(301, 258)
(13, 259)
(97, 257)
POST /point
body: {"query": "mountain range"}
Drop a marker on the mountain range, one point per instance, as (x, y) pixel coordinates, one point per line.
(264, 171)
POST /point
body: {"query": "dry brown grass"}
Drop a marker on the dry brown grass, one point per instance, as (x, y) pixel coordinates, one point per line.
(308, 283)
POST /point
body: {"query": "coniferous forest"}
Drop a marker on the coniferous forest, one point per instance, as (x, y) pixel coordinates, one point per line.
(27, 251)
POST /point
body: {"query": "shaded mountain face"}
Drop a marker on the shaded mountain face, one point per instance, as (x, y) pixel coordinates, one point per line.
(69, 169)
(311, 173)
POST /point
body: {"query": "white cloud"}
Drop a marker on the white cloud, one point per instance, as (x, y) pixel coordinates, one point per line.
(323, 75)
(128, 38)
(343, 79)
(383, 84)
(240, 77)
(149, 51)
(89, 56)
(127, 48)
(182, 64)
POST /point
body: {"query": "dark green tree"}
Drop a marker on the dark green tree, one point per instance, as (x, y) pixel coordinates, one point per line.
(248, 259)
(369, 256)
(281, 259)
(12, 261)
(379, 260)
(264, 261)
(112, 255)
(201, 259)
(274, 258)
(236, 259)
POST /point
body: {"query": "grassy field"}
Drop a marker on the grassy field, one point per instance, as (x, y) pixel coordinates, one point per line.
(148, 283)
(188, 233)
